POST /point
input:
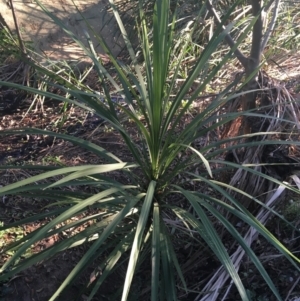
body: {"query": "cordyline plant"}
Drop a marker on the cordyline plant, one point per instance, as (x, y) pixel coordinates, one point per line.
(132, 224)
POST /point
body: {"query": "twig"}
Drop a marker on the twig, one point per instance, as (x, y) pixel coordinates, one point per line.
(268, 6)
(21, 44)
(292, 288)
(255, 53)
(271, 25)
(240, 56)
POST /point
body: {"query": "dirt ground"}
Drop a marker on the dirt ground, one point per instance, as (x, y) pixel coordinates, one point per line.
(49, 39)
(39, 282)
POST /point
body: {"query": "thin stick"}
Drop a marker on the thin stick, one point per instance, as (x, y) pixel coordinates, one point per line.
(21, 43)
(271, 26)
(240, 56)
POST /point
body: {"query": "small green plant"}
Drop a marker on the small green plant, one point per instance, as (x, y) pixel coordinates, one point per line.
(8, 46)
(130, 224)
(10, 51)
(292, 211)
(10, 235)
(50, 159)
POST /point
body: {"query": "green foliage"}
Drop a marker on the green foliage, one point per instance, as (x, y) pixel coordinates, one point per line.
(16, 233)
(129, 217)
(8, 45)
(292, 211)
(11, 235)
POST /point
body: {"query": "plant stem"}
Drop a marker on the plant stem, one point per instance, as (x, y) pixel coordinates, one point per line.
(21, 43)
